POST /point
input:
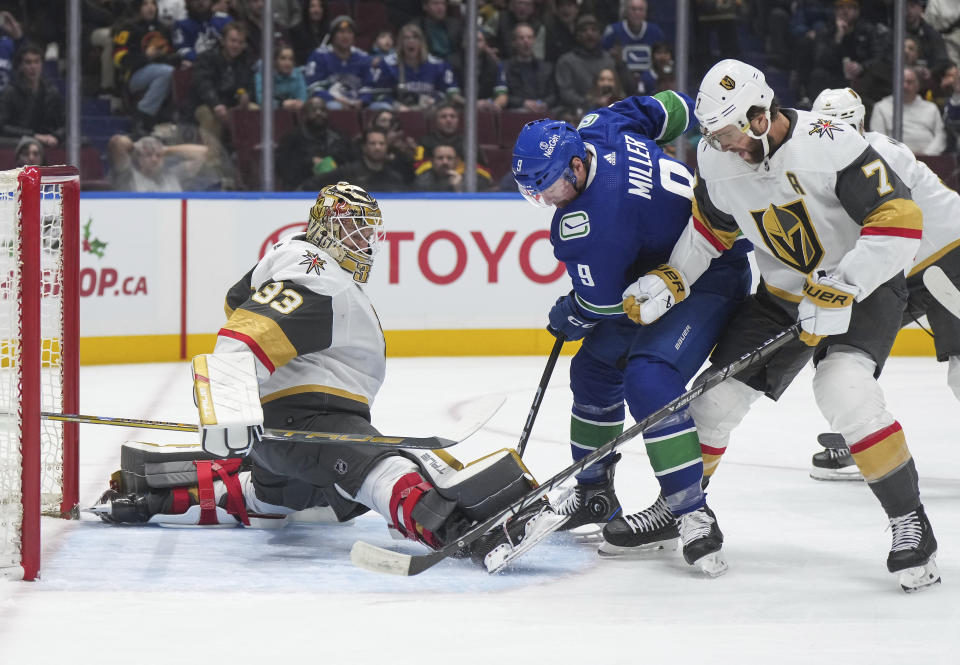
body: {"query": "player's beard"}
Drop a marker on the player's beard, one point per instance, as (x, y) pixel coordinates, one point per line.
(754, 152)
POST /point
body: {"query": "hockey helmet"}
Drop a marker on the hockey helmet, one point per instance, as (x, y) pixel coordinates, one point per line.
(346, 223)
(542, 155)
(842, 103)
(728, 91)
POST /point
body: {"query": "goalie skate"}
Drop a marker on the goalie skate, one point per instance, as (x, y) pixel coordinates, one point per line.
(515, 536)
(834, 462)
(640, 534)
(913, 551)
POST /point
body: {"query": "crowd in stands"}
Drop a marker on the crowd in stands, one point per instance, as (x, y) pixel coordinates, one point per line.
(371, 91)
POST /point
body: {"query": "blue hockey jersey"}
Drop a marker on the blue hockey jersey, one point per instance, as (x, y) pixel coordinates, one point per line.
(395, 82)
(636, 49)
(636, 202)
(192, 37)
(329, 76)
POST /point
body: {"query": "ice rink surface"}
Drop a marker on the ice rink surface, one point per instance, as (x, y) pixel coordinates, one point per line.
(807, 580)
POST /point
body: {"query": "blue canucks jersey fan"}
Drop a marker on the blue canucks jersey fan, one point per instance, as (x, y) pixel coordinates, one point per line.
(338, 70)
(622, 203)
(200, 31)
(411, 77)
(635, 37)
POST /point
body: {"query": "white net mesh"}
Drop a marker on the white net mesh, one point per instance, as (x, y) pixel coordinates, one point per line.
(51, 335)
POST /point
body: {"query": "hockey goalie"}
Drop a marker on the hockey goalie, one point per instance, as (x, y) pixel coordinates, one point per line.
(303, 349)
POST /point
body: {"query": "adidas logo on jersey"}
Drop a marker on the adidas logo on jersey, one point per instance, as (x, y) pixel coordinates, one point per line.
(611, 157)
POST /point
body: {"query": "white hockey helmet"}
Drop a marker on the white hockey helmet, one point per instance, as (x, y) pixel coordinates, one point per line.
(842, 103)
(346, 223)
(728, 91)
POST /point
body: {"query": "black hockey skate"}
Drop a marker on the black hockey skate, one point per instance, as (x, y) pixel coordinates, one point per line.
(702, 540)
(506, 542)
(834, 462)
(652, 529)
(913, 551)
(590, 503)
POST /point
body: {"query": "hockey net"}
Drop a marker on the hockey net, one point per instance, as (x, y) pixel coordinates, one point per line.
(39, 336)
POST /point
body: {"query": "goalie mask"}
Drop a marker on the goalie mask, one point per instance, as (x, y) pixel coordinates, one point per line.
(346, 223)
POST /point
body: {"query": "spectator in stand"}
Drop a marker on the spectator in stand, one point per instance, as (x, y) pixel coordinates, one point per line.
(383, 45)
(200, 31)
(851, 51)
(933, 50)
(311, 149)
(311, 32)
(631, 40)
(401, 148)
(605, 91)
(808, 19)
(911, 59)
(950, 87)
(289, 85)
(148, 165)
(338, 71)
(223, 80)
(98, 17)
(714, 18)
(444, 172)
(944, 16)
(446, 129)
(661, 75)
(560, 29)
(171, 11)
(923, 130)
(411, 79)
(501, 26)
(30, 105)
(577, 70)
(250, 12)
(491, 81)
(530, 84)
(373, 171)
(443, 33)
(10, 35)
(146, 59)
(29, 152)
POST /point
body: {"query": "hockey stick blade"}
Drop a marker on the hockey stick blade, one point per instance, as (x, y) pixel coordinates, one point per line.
(941, 288)
(380, 560)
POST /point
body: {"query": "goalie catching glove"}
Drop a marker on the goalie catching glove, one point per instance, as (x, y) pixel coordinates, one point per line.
(826, 307)
(227, 395)
(651, 296)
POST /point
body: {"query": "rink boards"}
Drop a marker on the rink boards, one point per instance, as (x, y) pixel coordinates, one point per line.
(458, 274)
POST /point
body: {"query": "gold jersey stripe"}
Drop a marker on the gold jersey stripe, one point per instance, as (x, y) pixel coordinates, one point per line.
(784, 295)
(311, 388)
(266, 333)
(897, 214)
(727, 238)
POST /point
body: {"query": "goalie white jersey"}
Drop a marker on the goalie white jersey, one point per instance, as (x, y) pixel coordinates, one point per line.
(825, 200)
(312, 329)
(939, 203)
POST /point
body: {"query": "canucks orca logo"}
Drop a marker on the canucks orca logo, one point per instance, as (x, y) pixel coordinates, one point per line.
(789, 234)
(825, 127)
(728, 83)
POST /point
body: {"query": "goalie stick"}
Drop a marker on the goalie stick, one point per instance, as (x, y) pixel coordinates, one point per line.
(474, 417)
(941, 288)
(376, 559)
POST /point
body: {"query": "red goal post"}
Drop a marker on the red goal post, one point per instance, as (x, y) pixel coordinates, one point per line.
(39, 356)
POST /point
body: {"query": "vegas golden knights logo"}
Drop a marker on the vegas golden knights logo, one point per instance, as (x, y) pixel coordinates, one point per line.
(790, 236)
(727, 83)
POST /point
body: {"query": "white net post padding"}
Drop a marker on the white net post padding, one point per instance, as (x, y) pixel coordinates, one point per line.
(34, 205)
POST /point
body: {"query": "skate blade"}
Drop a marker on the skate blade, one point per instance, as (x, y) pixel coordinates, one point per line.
(919, 578)
(588, 534)
(500, 557)
(647, 550)
(846, 473)
(711, 565)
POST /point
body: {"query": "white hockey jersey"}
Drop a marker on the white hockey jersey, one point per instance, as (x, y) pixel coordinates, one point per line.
(825, 200)
(311, 328)
(940, 204)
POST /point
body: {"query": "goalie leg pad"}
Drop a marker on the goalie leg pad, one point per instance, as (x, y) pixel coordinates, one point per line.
(487, 485)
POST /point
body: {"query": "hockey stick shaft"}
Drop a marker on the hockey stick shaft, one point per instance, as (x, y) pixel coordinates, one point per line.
(385, 561)
(538, 396)
(299, 436)
(941, 288)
